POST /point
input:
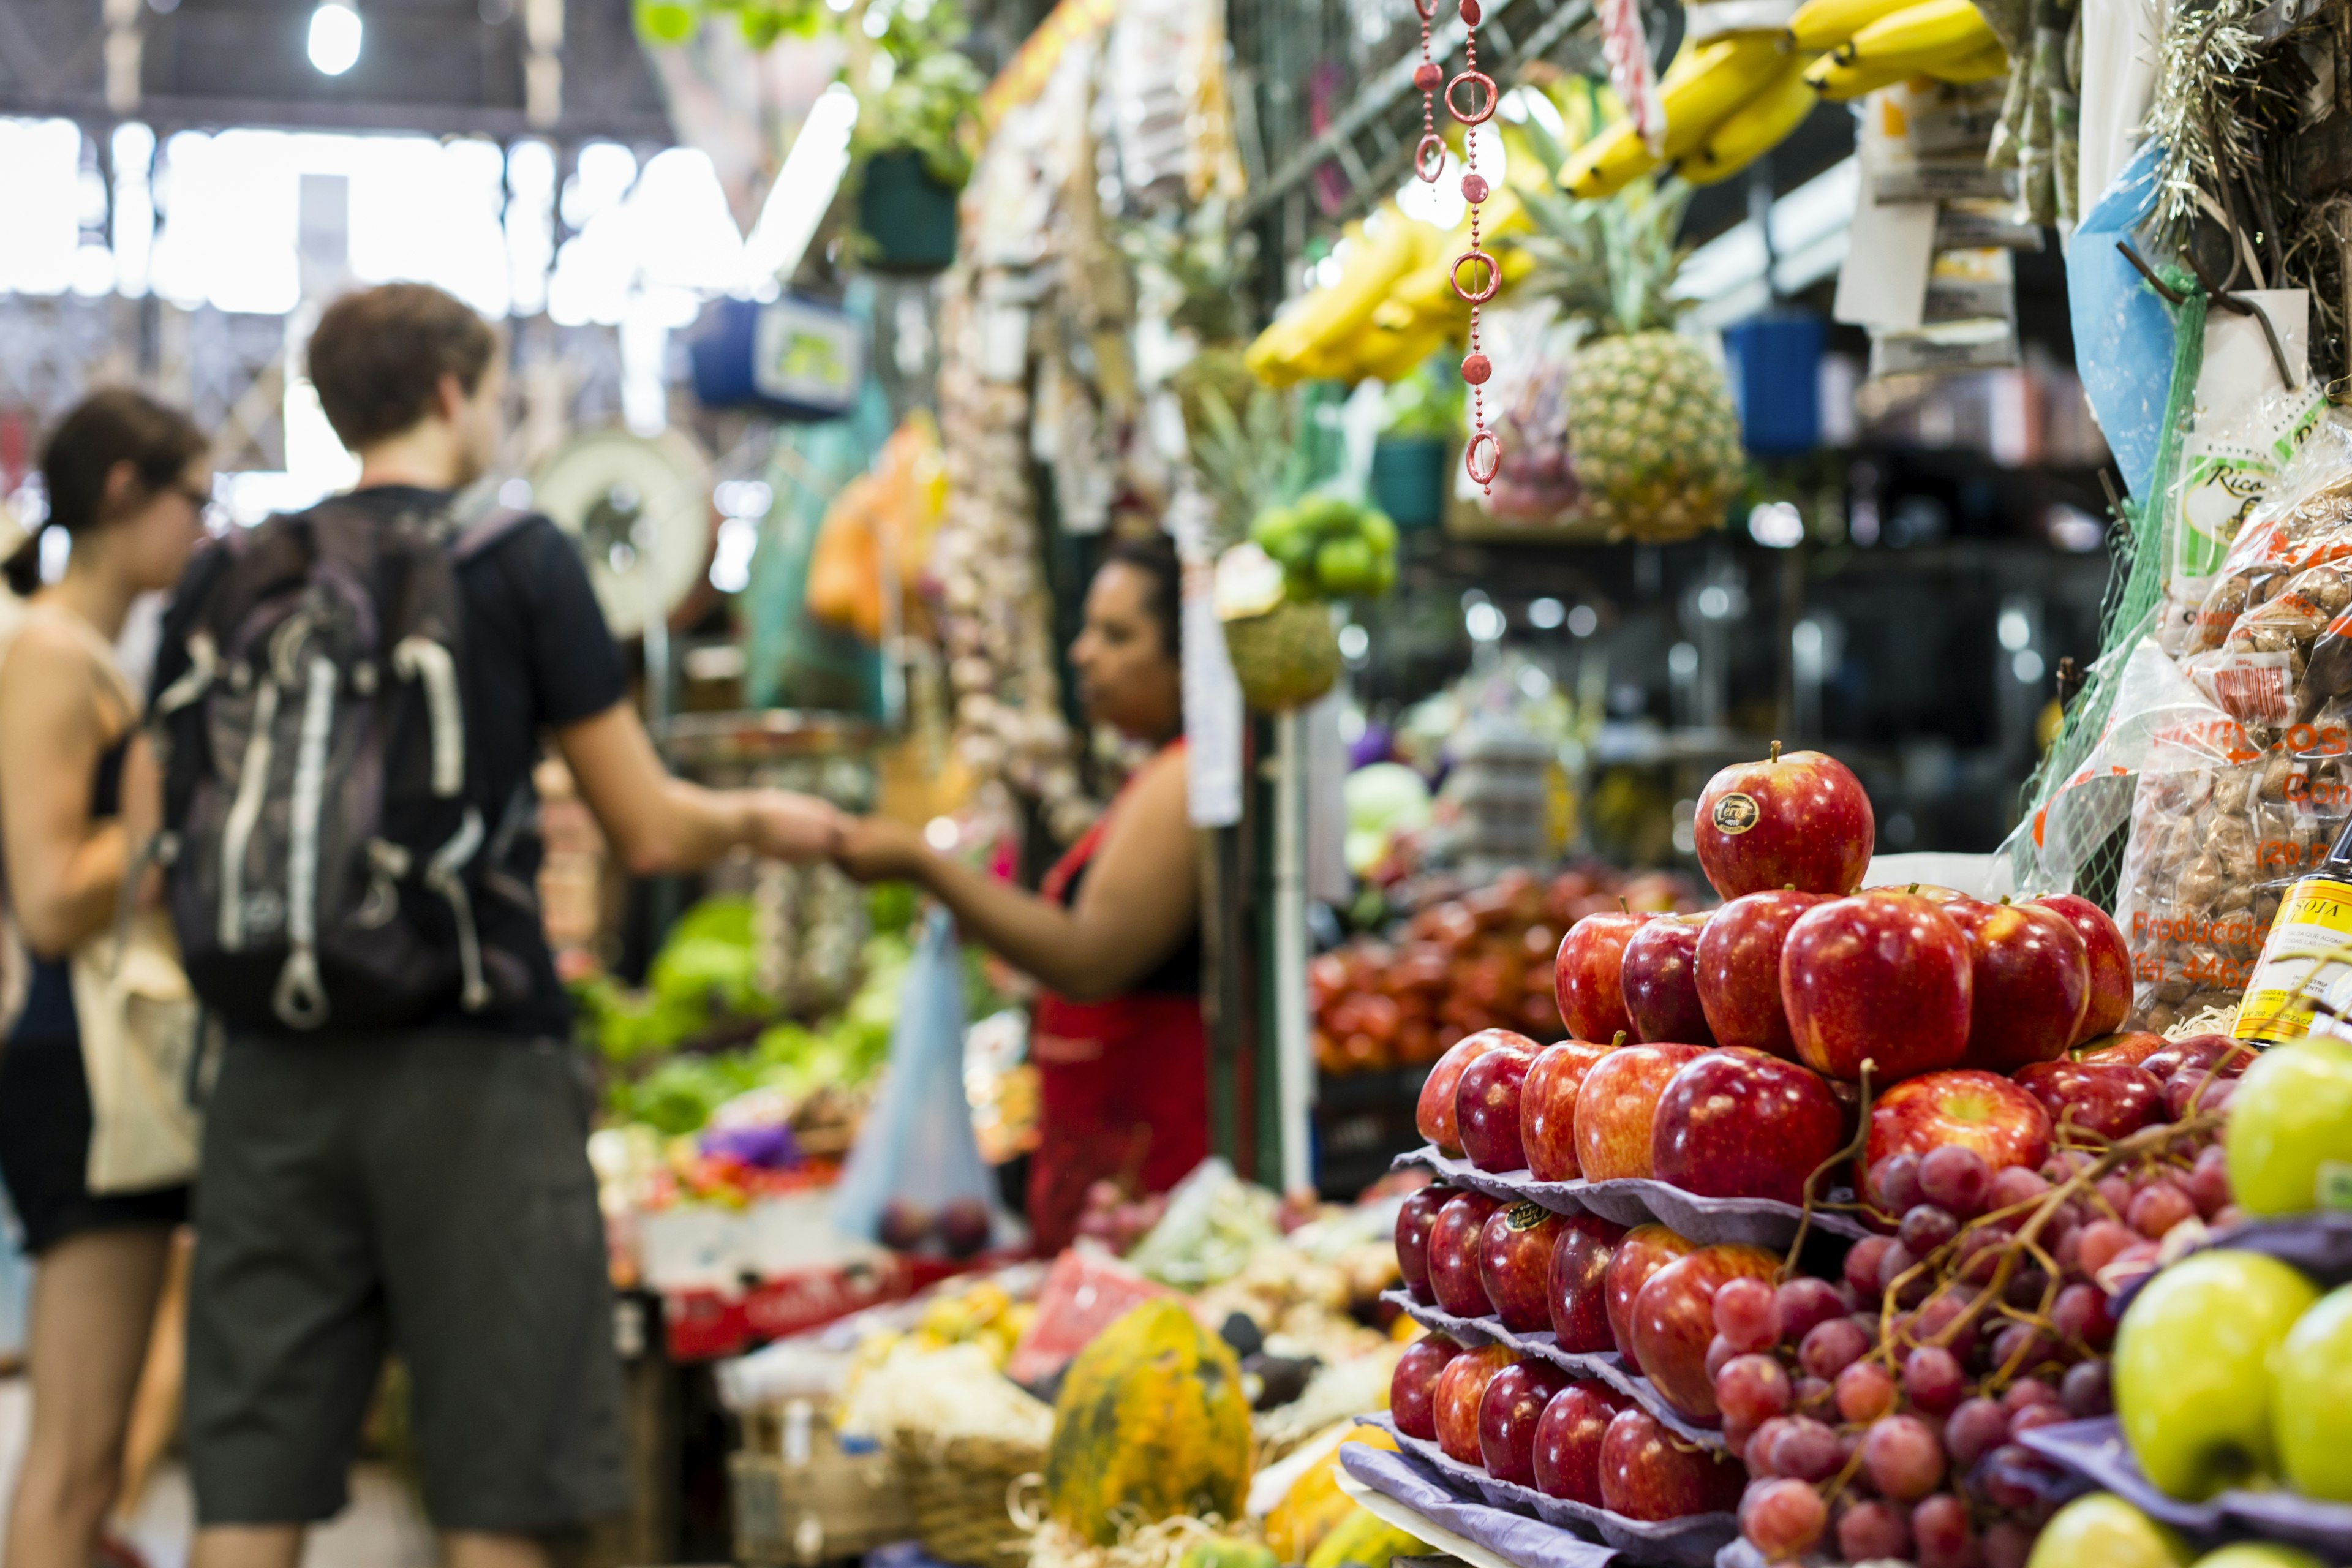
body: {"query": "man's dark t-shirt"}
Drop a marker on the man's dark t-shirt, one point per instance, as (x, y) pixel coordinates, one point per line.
(536, 655)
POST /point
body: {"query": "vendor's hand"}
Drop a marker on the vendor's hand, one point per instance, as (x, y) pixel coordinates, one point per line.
(880, 849)
(789, 826)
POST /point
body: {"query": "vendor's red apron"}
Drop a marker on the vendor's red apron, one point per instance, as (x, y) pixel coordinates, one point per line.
(1123, 1087)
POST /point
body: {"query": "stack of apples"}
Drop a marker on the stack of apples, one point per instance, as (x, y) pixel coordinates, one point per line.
(1952, 1059)
(1467, 961)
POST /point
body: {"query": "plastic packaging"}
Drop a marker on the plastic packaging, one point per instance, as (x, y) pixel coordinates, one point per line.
(916, 1176)
(2096, 1451)
(1608, 1366)
(1693, 1539)
(1757, 1222)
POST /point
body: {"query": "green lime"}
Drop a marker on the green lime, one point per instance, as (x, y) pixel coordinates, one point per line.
(1346, 566)
(1376, 530)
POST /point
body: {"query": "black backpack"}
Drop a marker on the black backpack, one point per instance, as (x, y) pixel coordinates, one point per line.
(326, 854)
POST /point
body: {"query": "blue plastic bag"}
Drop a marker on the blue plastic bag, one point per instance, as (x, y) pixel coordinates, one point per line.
(915, 1180)
(2123, 331)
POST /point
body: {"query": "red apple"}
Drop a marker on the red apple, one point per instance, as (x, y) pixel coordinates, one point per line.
(1486, 1107)
(1744, 1124)
(1509, 1416)
(1740, 969)
(1568, 1441)
(1453, 1255)
(1616, 1105)
(1649, 1472)
(1642, 1251)
(2111, 1099)
(1799, 821)
(2201, 1052)
(1978, 1110)
(2029, 983)
(1660, 981)
(1514, 1264)
(1577, 1294)
(1412, 1387)
(1882, 978)
(1415, 1218)
(2133, 1049)
(1434, 1114)
(1548, 1109)
(1461, 1389)
(1673, 1322)
(2111, 971)
(1585, 975)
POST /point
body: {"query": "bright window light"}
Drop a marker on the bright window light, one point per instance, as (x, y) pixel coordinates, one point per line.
(335, 32)
(1776, 525)
(730, 561)
(803, 189)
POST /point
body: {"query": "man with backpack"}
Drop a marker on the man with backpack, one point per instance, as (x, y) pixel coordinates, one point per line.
(349, 702)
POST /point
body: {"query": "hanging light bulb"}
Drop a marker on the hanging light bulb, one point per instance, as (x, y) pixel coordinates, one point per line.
(335, 34)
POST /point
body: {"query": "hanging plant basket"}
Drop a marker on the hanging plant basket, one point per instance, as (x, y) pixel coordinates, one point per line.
(908, 213)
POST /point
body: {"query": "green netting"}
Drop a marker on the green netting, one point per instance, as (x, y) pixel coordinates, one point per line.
(2140, 544)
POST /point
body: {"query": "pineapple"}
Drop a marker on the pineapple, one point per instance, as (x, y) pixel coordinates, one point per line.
(1651, 447)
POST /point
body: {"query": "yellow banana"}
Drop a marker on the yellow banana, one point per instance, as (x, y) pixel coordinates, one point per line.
(1825, 24)
(1917, 36)
(1699, 102)
(1379, 256)
(1721, 75)
(1838, 83)
(1981, 65)
(1754, 129)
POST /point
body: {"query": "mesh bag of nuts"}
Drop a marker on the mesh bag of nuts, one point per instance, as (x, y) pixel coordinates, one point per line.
(2235, 803)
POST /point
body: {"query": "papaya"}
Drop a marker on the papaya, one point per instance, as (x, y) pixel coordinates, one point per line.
(1367, 1540)
(1151, 1423)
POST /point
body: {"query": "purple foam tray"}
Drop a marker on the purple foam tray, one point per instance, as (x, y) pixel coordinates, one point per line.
(1757, 1222)
(2320, 1245)
(1609, 1367)
(2096, 1449)
(1693, 1540)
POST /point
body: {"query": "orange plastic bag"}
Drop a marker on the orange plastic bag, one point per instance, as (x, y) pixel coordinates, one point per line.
(896, 508)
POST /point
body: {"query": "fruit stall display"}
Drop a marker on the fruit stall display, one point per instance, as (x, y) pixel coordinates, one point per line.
(1862, 1228)
(1464, 959)
(1182, 1405)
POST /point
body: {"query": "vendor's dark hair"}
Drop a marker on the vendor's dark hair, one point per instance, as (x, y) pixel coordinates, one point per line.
(120, 425)
(1154, 555)
(378, 355)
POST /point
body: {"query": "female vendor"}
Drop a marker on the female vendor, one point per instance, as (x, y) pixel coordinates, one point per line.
(1113, 935)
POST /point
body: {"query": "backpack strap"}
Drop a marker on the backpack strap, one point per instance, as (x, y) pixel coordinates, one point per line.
(478, 536)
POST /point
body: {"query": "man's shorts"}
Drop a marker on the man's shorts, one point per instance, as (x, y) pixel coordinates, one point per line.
(424, 1193)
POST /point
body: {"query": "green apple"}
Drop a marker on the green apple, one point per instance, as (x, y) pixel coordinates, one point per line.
(2311, 1395)
(2102, 1531)
(2258, 1554)
(2291, 1129)
(2192, 1369)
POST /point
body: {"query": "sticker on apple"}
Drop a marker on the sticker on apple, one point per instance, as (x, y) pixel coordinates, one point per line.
(1735, 813)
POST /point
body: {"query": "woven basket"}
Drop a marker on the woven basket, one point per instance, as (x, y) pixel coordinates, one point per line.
(961, 1493)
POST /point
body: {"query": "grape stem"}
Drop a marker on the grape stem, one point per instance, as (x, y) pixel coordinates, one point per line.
(2123, 1151)
(1851, 1151)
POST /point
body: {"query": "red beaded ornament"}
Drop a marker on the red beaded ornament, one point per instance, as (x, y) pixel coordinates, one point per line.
(1484, 455)
(1429, 158)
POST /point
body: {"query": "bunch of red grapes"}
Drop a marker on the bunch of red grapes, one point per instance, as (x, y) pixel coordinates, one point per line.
(1879, 1416)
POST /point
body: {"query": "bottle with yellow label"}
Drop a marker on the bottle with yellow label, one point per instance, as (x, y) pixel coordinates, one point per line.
(2308, 949)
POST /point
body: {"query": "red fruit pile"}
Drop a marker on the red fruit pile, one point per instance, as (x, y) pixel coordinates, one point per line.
(1950, 1060)
(1480, 960)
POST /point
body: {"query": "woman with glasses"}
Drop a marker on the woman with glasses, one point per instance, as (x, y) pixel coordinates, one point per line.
(128, 480)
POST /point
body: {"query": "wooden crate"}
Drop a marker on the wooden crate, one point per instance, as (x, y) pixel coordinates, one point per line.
(801, 1498)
